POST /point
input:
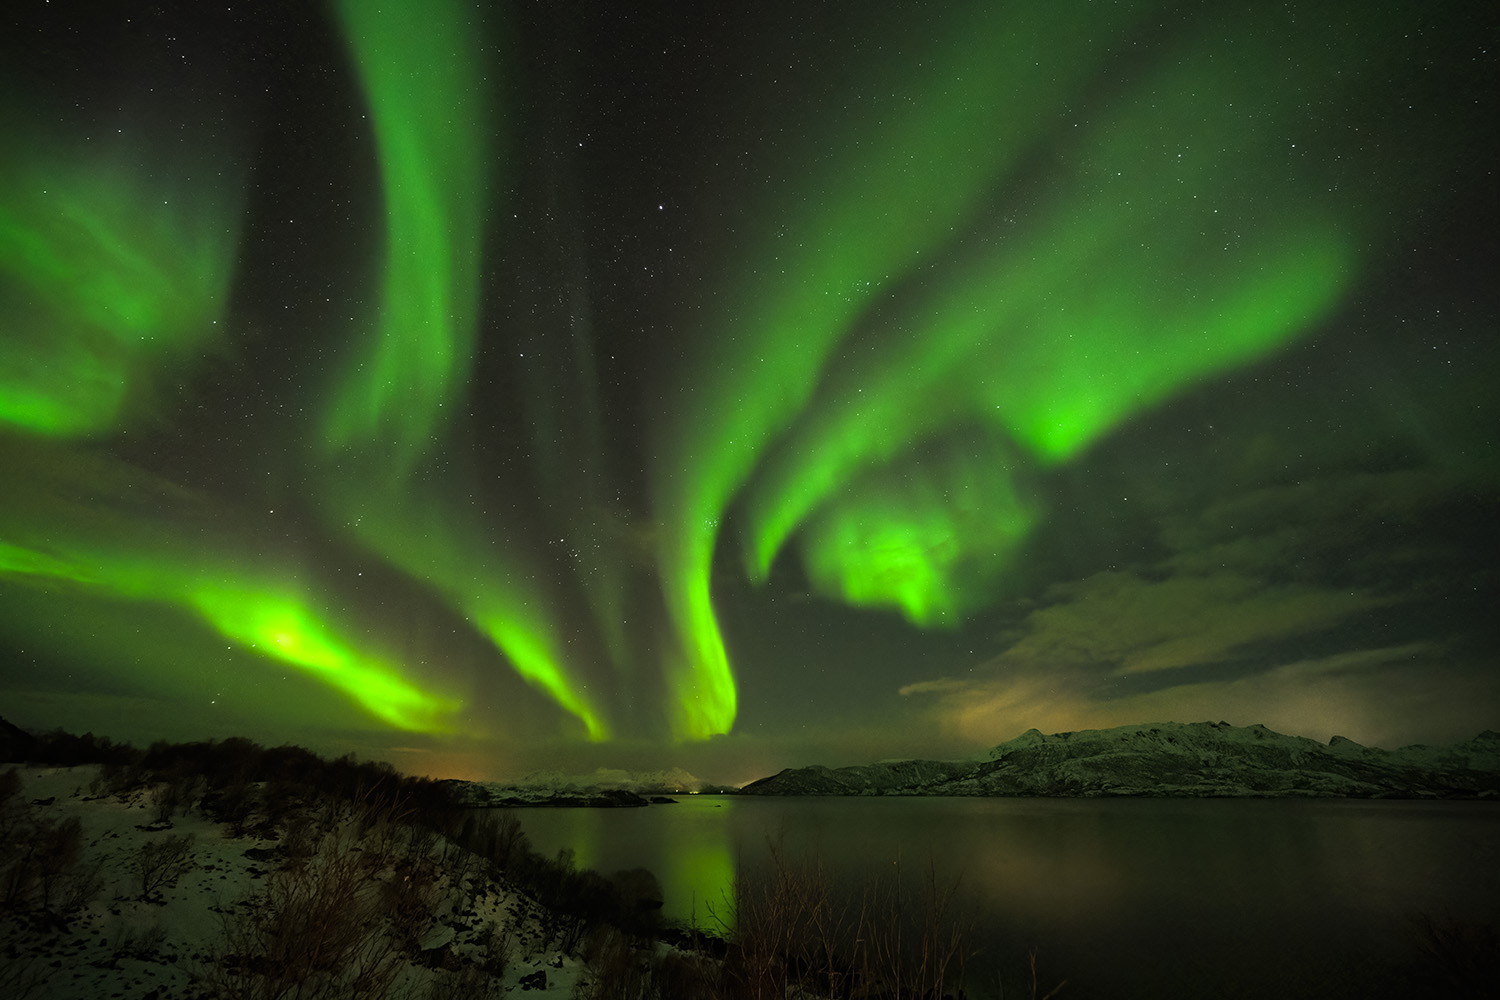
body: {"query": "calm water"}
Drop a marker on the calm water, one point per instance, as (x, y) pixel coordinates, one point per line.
(1123, 898)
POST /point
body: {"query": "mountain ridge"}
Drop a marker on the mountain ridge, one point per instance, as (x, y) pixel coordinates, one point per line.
(1170, 759)
(605, 787)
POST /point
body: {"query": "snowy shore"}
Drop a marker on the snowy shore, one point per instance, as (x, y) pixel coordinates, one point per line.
(104, 925)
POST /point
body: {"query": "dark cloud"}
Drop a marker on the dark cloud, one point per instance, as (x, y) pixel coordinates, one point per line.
(1352, 602)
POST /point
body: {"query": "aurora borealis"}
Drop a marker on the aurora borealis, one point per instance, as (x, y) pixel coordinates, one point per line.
(492, 386)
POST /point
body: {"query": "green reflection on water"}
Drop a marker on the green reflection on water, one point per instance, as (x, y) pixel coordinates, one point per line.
(688, 846)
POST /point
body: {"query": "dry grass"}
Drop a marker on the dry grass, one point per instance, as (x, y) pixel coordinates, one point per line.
(336, 922)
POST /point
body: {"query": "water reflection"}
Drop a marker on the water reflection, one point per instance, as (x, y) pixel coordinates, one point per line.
(691, 847)
(1141, 897)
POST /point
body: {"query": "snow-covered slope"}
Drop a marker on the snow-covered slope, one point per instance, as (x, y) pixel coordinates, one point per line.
(1171, 759)
(173, 938)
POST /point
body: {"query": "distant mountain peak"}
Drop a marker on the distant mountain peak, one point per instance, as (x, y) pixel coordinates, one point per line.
(1197, 759)
(605, 786)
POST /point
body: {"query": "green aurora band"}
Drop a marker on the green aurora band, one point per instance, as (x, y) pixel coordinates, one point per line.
(1141, 271)
(114, 266)
(930, 537)
(113, 272)
(934, 303)
(392, 412)
(114, 269)
(53, 537)
(816, 270)
(936, 279)
(412, 58)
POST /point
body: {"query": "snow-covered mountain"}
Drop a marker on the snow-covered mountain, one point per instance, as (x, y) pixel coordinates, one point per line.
(1200, 759)
(604, 787)
(675, 780)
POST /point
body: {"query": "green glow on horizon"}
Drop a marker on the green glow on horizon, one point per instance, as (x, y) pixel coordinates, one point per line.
(113, 263)
(882, 190)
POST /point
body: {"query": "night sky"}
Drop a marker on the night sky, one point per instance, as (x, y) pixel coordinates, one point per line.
(731, 386)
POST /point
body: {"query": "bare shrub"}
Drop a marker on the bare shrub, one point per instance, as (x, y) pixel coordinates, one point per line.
(10, 788)
(787, 929)
(123, 778)
(232, 805)
(58, 849)
(322, 929)
(280, 800)
(299, 839)
(22, 976)
(458, 863)
(496, 838)
(78, 886)
(190, 789)
(42, 858)
(470, 982)
(42, 870)
(638, 900)
(497, 942)
(134, 942)
(175, 792)
(161, 863)
(409, 900)
(420, 841)
(790, 932)
(166, 797)
(19, 878)
(757, 924)
(618, 970)
(687, 976)
(1458, 959)
(917, 957)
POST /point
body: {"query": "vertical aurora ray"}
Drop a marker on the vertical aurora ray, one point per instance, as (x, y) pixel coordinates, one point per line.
(390, 419)
(414, 58)
(877, 192)
(559, 393)
(114, 267)
(431, 540)
(698, 675)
